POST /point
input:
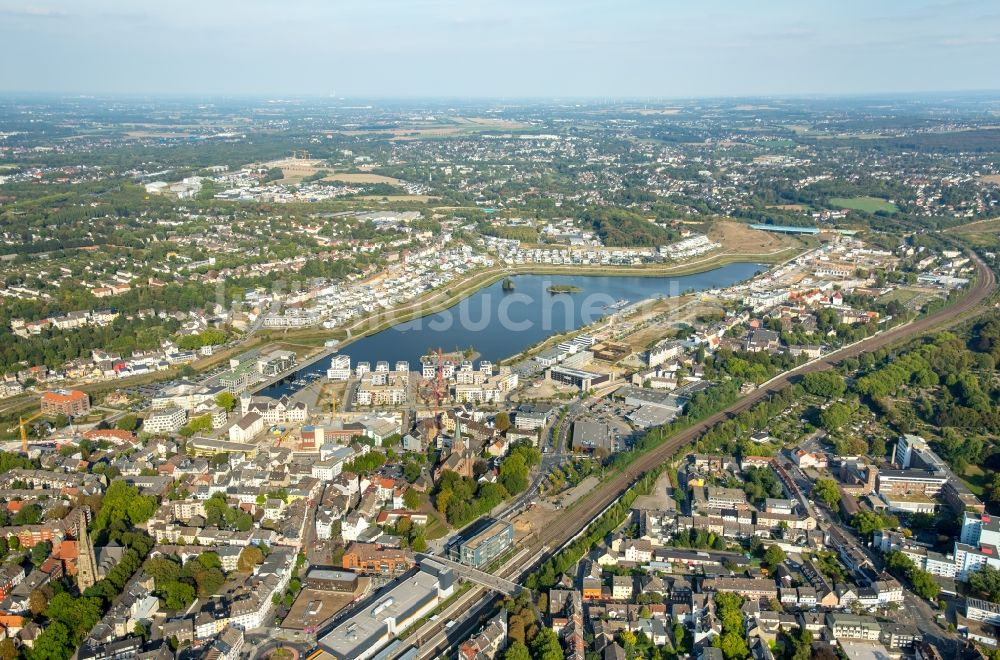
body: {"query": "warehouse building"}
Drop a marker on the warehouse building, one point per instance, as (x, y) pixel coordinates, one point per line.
(637, 397)
(585, 380)
(375, 622)
(591, 436)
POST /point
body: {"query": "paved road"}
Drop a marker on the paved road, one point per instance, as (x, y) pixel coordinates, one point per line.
(914, 610)
(566, 527)
(259, 644)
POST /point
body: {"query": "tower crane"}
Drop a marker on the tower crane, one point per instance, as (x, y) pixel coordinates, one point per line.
(22, 425)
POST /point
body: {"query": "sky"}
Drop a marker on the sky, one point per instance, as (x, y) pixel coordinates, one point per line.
(500, 48)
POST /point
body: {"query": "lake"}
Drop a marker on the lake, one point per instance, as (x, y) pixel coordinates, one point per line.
(498, 324)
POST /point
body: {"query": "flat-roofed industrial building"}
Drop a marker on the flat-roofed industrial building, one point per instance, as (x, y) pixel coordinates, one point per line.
(390, 612)
(332, 579)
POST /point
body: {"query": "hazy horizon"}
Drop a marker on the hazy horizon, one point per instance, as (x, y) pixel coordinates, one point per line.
(410, 49)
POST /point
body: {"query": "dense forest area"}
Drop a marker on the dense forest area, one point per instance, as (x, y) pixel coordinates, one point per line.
(623, 228)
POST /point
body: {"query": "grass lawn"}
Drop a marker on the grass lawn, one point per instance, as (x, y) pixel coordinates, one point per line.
(436, 528)
(866, 204)
(975, 479)
(902, 296)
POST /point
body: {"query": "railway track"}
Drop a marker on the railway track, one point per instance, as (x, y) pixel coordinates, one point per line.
(576, 519)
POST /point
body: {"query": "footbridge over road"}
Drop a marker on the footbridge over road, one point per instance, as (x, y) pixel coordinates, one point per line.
(506, 587)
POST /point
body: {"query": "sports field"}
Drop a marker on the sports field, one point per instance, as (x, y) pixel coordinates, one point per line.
(866, 204)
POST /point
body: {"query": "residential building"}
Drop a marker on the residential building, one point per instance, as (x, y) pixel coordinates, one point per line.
(164, 420)
(65, 402)
(850, 626)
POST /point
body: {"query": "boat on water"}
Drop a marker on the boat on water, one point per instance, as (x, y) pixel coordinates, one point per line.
(618, 304)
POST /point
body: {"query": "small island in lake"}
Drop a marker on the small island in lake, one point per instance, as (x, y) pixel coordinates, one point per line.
(508, 284)
(563, 288)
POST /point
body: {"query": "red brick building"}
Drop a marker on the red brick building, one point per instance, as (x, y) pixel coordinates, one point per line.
(370, 559)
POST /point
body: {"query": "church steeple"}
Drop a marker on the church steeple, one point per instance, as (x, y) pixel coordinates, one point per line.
(86, 562)
(458, 445)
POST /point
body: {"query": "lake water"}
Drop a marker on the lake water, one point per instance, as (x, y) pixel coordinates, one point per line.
(499, 324)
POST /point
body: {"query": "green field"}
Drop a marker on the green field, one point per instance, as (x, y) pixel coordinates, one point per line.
(902, 296)
(777, 143)
(866, 204)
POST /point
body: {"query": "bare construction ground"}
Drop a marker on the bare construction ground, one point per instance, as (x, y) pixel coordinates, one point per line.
(362, 177)
(737, 238)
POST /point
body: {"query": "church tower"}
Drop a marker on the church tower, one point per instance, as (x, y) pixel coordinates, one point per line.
(458, 444)
(86, 562)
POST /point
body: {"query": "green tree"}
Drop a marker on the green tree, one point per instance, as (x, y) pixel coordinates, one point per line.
(226, 401)
(501, 421)
(868, 522)
(40, 552)
(826, 490)
(8, 649)
(123, 504)
(128, 423)
(516, 651)
(201, 423)
(210, 560)
(177, 595)
(827, 384)
(835, 416)
(546, 646)
(514, 474)
(898, 563)
(53, 644)
(219, 513)
(30, 514)
(162, 569)
(250, 556)
(733, 646)
(802, 644)
(773, 556)
(924, 584)
(986, 582)
(78, 614)
(412, 499)
(680, 638)
(411, 471)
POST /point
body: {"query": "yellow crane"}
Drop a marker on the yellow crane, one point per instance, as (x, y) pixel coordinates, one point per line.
(22, 424)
